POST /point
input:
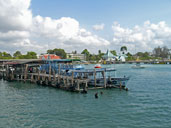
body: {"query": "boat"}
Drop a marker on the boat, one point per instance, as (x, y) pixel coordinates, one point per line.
(138, 66)
(98, 66)
(103, 75)
(96, 77)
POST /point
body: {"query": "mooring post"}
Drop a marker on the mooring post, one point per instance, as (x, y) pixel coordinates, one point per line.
(95, 77)
(38, 75)
(58, 73)
(86, 85)
(72, 79)
(12, 75)
(7, 71)
(25, 73)
(78, 85)
(49, 72)
(54, 76)
(104, 77)
(31, 77)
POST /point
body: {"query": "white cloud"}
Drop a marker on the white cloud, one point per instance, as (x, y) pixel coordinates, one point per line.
(19, 30)
(15, 15)
(142, 38)
(98, 27)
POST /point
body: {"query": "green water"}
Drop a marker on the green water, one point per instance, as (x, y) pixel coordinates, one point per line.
(147, 104)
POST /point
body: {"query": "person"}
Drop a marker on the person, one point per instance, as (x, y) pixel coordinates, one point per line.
(96, 95)
(101, 92)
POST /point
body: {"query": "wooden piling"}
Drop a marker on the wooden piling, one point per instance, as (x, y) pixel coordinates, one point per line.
(78, 85)
(104, 77)
(38, 75)
(54, 76)
(95, 77)
(72, 79)
(49, 72)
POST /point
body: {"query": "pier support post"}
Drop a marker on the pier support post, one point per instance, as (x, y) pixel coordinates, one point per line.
(104, 77)
(38, 75)
(72, 79)
(12, 75)
(25, 72)
(31, 77)
(95, 77)
(54, 76)
(49, 72)
(58, 73)
(78, 85)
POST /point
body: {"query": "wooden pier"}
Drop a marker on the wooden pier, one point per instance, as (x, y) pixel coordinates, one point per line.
(29, 71)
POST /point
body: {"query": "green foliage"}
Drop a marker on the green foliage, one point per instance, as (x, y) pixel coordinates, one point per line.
(86, 52)
(123, 48)
(17, 54)
(58, 52)
(31, 55)
(113, 52)
(161, 52)
(5, 55)
(130, 57)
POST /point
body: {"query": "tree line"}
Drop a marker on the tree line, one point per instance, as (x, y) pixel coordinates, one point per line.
(157, 53)
(18, 55)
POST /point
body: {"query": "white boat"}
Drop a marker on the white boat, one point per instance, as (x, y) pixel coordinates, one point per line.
(138, 66)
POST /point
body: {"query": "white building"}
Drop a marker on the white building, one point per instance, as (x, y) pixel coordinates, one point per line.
(121, 57)
(108, 56)
(76, 56)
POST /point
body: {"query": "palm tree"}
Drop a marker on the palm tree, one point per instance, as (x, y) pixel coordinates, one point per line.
(123, 49)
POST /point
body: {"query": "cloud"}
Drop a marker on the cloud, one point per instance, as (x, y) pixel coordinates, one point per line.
(98, 27)
(15, 15)
(20, 30)
(142, 38)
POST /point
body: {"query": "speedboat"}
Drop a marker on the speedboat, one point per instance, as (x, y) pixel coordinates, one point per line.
(97, 66)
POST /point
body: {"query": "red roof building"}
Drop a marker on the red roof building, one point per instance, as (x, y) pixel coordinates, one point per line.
(49, 56)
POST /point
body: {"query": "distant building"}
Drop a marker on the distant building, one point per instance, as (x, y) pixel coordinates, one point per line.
(121, 57)
(49, 56)
(108, 56)
(76, 56)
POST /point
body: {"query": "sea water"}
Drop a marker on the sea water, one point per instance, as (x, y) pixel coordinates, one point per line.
(147, 104)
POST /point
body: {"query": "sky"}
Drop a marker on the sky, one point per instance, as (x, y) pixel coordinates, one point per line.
(38, 25)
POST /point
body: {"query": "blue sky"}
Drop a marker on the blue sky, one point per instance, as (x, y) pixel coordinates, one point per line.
(89, 12)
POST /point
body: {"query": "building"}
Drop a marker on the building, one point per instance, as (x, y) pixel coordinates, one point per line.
(108, 56)
(121, 57)
(76, 56)
(49, 56)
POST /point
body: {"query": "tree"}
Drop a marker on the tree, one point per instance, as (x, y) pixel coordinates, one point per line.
(161, 52)
(59, 52)
(6, 55)
(129, 57)
(86, 52)
(30, 55)
(50, 51)
(113, 52)
(17, 54)
(99, 51)
(123, 49)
